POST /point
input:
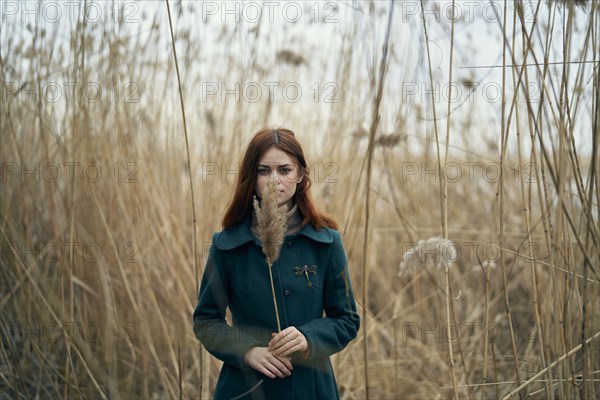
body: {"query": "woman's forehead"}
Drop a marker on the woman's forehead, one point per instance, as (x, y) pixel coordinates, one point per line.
(275, 156)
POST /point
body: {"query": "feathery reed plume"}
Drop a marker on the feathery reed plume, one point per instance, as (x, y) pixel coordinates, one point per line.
(389, 140)
(271, 221)
(271, 230)
(433, 252)
(289, 57)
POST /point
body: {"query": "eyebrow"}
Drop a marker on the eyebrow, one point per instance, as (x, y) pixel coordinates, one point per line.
(268, 165)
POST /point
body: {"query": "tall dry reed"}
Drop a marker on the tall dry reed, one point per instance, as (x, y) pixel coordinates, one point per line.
(272, 225)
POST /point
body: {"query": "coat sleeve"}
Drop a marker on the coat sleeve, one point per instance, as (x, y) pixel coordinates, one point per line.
(340, 325)
(227, 343)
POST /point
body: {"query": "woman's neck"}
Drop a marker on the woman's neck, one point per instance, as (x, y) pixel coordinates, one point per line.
(288, 205)
(293, 219)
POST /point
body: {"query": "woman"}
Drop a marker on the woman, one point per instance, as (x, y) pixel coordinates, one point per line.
(310, 277)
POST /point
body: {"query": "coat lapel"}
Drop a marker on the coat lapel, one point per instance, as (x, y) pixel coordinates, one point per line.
(322, 235)
(240, 234)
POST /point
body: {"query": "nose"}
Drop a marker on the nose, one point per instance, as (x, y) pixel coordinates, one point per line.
(275, 177)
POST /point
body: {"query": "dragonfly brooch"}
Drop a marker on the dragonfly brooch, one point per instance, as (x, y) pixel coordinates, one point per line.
(306, 270)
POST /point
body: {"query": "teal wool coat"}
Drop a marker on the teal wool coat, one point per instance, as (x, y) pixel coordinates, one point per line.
(313, 292)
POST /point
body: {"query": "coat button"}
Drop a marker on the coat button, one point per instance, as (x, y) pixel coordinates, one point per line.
(286, 292)
(290, 243)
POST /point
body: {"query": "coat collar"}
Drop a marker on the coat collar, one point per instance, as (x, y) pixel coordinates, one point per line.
(236, 236)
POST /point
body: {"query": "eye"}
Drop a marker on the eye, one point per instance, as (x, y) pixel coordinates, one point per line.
(285, 171)
(263, 171)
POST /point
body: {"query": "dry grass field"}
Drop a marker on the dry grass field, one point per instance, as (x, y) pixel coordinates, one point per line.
(102, 247)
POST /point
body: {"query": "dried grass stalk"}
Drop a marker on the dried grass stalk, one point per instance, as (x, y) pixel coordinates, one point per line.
(441, 253)
(271, 230)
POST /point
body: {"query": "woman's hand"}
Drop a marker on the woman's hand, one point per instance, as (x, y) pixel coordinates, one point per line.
(264, 361)
(288, 341)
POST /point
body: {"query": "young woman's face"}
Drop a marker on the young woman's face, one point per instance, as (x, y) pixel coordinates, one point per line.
(277, 165)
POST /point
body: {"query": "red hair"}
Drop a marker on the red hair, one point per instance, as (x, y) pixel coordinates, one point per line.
(241, 203)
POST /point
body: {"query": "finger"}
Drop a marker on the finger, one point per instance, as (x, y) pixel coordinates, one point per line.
(276, 338)
(286, 346)
(276, 342)
(286, 361)
(283, 337)
(292, 349)
(281, 366)
(284, 333)
(273, 369)
(279, 372)
(262, 369)
(290, 340)
(283, 342)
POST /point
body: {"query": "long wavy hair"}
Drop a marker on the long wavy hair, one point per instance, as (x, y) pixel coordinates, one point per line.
(241, 202)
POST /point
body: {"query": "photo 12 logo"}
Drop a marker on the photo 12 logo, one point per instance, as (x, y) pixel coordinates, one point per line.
(87, 331)
(466, 332)
(472, 252)
(54, 12)
(319, 172)
(463, 11)
(469, 171)
(253, 92)
(467, 92)
(53, 252)
(68, 171)
(70, 92)
(270, 11)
